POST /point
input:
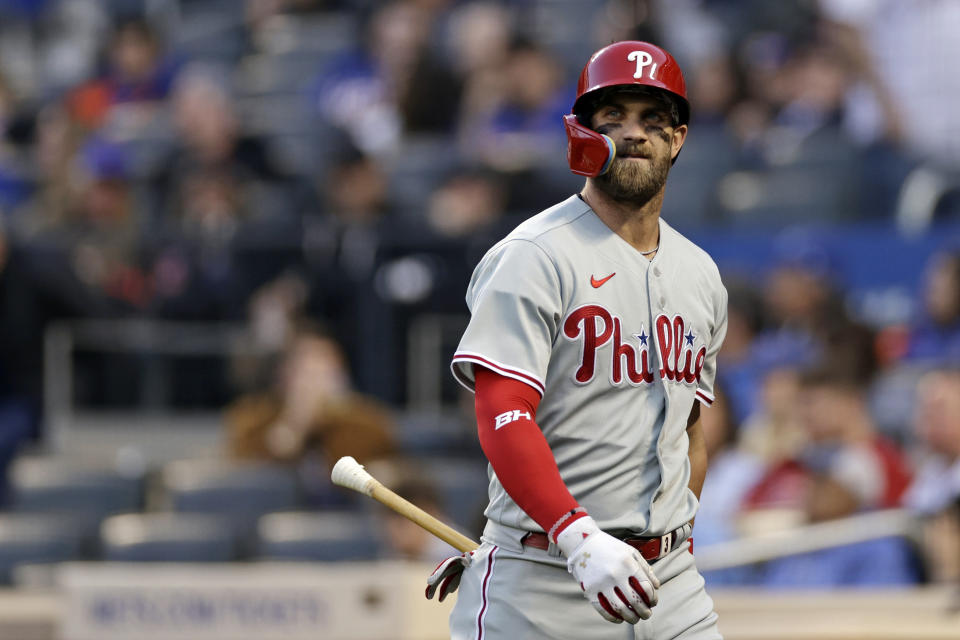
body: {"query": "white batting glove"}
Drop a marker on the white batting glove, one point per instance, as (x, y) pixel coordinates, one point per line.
(614, 577)
(446, 577)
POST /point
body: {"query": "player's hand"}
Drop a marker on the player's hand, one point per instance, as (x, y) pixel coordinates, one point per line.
(614, 577)
(447, 575)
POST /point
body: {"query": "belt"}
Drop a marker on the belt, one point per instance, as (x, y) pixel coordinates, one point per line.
(652, 549)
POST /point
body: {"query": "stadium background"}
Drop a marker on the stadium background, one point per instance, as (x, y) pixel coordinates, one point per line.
(235, 238)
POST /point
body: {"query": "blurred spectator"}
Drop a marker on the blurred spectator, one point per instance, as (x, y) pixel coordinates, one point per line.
(85, 211)
(798, 290)
(425, 262)
(737, 358)
(845, 468)
(357, 91)
(390, 85)
(759, 58)
(274, 310)
(429, 100)
(802, 159)
(886, 162)
(814, 103)
(773, 432)
(310, 408)
(468, 202)
(353, 193)
(936, 334)
(644, 20)
(478, 39)
(273, 316)
(714, 88)
(935, 491)
(732, 471)
(347, 216)
(105, 228)
(215, 200)
(838, 73)
(519, 130)
(796, 321)
(136, 73)
(807, 313)
(775, 435)
(210, 140)
(827, 74)
(510, 125)
(923, 34)
(853, 468)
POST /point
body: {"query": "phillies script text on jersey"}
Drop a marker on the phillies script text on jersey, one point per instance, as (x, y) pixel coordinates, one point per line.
(595, 326)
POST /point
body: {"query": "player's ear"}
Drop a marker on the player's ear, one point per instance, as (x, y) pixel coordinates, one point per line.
(677, 138)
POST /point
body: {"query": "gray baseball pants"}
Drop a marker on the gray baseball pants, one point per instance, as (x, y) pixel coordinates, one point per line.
(521, 593)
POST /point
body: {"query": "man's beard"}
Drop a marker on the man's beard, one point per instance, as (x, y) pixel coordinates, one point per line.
(632, 182)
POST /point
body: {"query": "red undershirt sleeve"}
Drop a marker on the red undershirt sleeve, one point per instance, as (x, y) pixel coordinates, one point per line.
(518, 451)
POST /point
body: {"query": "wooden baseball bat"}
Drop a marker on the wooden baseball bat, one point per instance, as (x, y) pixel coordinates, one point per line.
(349, 473)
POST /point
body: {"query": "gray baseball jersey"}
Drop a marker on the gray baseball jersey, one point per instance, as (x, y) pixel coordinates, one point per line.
(618, 346)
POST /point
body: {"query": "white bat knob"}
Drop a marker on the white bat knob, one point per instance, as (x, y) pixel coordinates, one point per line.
(350, 474)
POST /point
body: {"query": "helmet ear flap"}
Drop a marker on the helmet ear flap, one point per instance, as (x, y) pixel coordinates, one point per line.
(589, 153)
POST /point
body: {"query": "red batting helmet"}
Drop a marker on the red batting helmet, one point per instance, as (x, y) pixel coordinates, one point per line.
(621, 64)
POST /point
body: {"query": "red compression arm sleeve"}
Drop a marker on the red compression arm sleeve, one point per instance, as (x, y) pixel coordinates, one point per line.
(518, 452)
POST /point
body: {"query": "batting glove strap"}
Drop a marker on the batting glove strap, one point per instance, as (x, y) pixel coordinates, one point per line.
(565, 521)
(446, 577)
(614, 577)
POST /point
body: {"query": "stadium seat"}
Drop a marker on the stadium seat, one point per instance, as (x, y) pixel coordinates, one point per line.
(52, 484)
(167, 537)
(329, 536)
(240, 492)
(36, 539)
(83, 494)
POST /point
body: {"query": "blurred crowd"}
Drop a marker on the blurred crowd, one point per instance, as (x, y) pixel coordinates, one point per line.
(322, 171)
(823, 417)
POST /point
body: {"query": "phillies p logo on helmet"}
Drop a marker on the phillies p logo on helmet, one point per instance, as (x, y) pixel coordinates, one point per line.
(643, 59)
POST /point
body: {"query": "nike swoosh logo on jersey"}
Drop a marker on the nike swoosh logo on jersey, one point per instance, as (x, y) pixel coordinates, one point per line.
(599, 283)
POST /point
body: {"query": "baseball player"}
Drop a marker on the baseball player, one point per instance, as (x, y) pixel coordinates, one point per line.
(594, 333)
